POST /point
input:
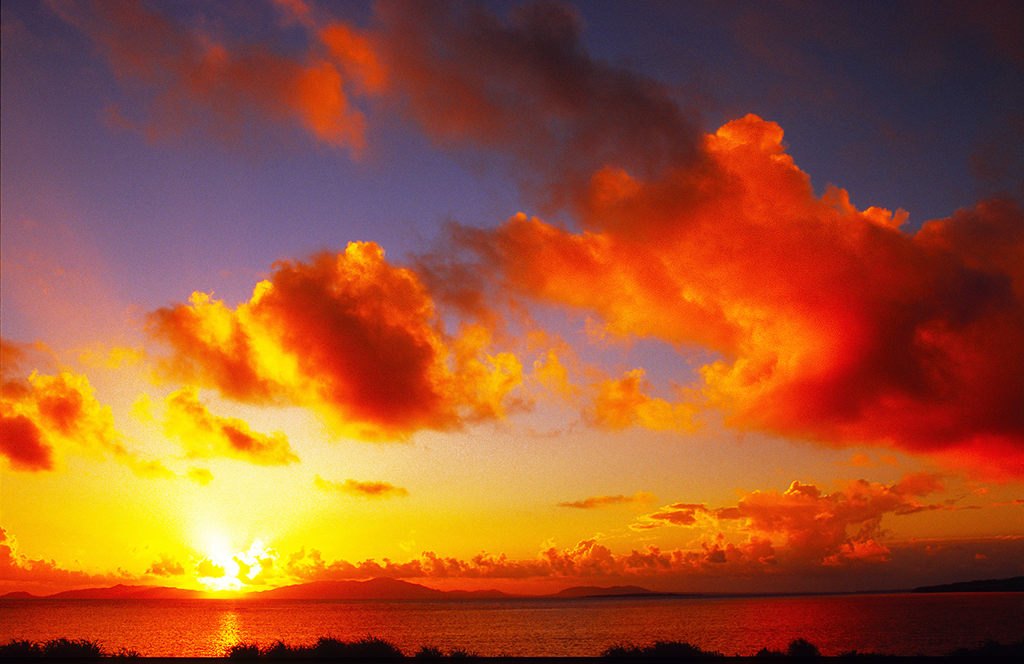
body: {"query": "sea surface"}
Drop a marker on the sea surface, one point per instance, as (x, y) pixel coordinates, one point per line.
(899, 624)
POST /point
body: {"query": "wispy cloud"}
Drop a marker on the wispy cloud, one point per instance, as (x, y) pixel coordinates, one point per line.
(205, 435)
(360, 488)
(593, 502)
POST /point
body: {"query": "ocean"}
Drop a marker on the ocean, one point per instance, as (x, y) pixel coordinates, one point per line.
(899, 624)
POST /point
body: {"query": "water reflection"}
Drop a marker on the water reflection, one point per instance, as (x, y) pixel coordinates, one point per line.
(228, 632)
(900, 624)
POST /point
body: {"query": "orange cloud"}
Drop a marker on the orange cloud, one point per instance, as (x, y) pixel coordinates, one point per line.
(815, 529)
(205, 435)
(621, 403)
(677, 514)
(196, 77)
(17, 571)
(348, 334)
(363, 489)
(642, 497)
(44, 417)
(833, 325)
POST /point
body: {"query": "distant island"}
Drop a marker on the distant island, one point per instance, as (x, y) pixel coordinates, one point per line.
(1012, 585)
(395, 589)
(373, 589)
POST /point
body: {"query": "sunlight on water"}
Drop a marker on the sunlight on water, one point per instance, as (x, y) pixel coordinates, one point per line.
(902, 624)
(227, 632)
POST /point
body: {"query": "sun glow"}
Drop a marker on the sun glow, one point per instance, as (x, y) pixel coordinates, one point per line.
(222, 569)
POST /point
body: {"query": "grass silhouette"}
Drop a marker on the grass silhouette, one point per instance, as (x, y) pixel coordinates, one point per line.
(371, 648)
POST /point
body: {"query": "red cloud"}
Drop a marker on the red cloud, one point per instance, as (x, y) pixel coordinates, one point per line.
(347, 334)
(834, 325)
(46, 416)
(814, 529)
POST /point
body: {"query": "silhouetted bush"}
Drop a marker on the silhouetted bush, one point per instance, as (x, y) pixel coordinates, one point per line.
(127, 653)
(802, 648)
(72, 649)
(371, 648)
(765, 652)
(280, 650)
(368, 647)
(244, 651)
(659, 650)
(21, 649)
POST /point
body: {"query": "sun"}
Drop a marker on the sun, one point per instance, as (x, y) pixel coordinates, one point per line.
(224, 570)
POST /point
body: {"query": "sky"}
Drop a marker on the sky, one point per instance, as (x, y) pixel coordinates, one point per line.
(715, 297)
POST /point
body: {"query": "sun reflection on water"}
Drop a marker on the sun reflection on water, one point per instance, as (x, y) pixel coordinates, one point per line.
(228, 632)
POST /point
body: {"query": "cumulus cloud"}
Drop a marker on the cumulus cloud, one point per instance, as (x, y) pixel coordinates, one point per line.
(362, 489)
(206, 568)
(44, 417)
(349, 335)
(205, 435)
(709, 565)
(809, 527)
(832, 324)
(641, 497)
(166, 566)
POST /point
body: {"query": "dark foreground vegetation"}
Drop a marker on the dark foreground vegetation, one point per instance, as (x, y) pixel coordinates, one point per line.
(374, 649)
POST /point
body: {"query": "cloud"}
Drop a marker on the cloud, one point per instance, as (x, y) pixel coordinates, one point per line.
(206, 568)
(44, 417)
(621, 403)
(166, 566)
(526, 87)
(642, 497)
(349, 335)
(808, 527)
(18, 572)
(200, 476)
(832, 324)
(205, 435)
(796, 538)
(198, 75)
(677, 514)
(711, 565)
(362, 489)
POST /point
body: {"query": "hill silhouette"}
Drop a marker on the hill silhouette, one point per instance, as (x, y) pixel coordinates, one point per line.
(372, 589)
(1012, 585)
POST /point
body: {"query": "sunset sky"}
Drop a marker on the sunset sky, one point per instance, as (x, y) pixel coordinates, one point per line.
(696, 296)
